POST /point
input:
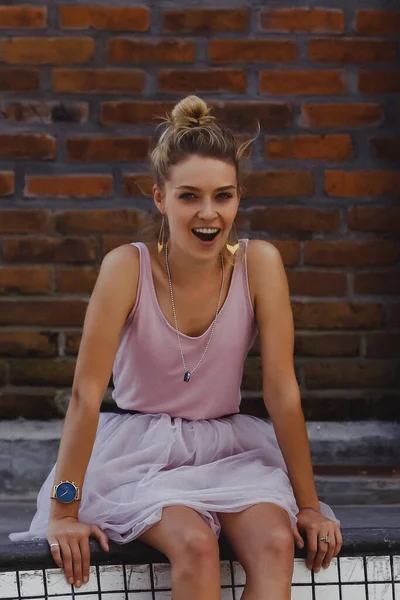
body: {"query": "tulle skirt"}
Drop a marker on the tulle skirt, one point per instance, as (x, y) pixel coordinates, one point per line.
(141, 463)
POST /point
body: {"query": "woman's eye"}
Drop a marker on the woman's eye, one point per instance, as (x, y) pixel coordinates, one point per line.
(187, 195)
(225, 195)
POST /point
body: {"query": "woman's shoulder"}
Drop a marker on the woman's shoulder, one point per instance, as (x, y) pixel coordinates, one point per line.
(264, 264)
(261, 253)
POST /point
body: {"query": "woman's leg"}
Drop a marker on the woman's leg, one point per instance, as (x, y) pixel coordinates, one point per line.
(192, 549)
(262, 539)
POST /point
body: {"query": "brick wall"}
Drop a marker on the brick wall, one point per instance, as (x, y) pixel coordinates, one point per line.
(80, 84)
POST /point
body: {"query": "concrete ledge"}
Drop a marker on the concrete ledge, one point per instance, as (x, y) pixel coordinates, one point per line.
(366, 530)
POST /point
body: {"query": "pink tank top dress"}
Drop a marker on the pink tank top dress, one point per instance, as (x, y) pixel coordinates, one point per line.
(148, 370)
(184, 445)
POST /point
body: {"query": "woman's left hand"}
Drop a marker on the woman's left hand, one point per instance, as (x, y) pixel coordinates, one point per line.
(315, 526)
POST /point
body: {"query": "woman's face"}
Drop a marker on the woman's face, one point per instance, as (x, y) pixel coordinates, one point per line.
(201, 193)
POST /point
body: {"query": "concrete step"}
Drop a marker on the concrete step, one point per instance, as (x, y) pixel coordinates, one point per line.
(28, 450)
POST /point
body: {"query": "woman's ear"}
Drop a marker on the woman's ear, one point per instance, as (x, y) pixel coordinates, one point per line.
(158, 198)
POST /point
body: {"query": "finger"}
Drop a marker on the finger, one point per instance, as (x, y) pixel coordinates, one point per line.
(331, 549)
(85, 553)
(339, 540)
(77, 562)
(321, 553)
(67, 561)
(56, 553)
(297, 537)
(312, 546)
(96, 532)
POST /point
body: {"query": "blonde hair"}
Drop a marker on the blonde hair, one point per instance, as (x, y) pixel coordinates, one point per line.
(190, 129)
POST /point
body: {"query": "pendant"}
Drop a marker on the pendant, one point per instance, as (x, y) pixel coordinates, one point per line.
(186, 376)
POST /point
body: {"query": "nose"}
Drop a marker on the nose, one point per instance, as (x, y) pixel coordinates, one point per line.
(207, 210)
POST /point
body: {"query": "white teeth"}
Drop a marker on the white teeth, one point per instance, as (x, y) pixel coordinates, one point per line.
(206, 230)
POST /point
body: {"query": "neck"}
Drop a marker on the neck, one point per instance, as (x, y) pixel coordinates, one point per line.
(188, 272)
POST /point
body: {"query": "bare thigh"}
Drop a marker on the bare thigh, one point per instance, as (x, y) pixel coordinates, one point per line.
(260, 530)
(181, 529)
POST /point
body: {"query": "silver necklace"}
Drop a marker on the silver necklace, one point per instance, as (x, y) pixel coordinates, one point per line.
(188, 373)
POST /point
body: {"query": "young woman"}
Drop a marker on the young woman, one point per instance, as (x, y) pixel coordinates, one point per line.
(174, 322)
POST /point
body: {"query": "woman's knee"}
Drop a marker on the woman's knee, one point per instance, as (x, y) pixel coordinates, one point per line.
(195, 547)
(276, 544)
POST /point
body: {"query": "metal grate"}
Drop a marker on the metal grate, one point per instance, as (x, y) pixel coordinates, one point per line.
(348, 578)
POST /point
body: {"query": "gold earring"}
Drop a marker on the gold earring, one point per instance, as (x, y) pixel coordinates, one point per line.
(160, 245)
(233, 248)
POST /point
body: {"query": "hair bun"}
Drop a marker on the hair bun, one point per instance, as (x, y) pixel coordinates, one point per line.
(192, 111)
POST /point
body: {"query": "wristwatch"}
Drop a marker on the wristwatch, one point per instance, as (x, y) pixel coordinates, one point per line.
(66, 491)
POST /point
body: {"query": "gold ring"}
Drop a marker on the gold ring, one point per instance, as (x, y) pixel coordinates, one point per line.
(326, 539)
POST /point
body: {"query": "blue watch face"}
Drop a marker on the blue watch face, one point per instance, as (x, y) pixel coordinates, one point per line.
(66, 492)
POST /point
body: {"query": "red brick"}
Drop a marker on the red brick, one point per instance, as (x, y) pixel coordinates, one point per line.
(135, 112)
(28, 405)
(382, 345)
(47, 51)
(241, 115)
(290, 251)
(50, 313)
(303, 19)
(49, 249)
(15, 17)
(108, 149)
(137, 184)
(33, 111)
(206, 20)
(18, 80)
(6, 183)
(108, 81)
(394, 315)
(25, 221)
(21, 280)
(76, 186)
(78, 280)
(379, 82)
(3, 373)
(387, 149)
(121, 50)
(310, 147)
(72, 343)
(351, 50)
(337, 315)
(113, 18)
(28, 343)
(343, 253)
(374, 283)
(374, 218)
(295, 218)
(327, 344)
(211, 80)
(128, 221)
(317, 283)
(365, 374)
(109, 242)
(42, 371)
(279, 184)
(351, 184)
(323, 83)
(252, 51)
(27, 145)
(340, 115)
(378, 21)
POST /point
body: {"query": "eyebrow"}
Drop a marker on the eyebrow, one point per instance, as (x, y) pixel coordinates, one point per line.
(220, 189)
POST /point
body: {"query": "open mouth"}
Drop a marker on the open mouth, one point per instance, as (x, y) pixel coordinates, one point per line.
(206, 234)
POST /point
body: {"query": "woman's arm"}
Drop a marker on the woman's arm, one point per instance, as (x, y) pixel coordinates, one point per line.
(280, 388)
(113, 297)
(282, 400)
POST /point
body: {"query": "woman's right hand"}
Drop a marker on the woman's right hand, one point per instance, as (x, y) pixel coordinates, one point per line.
(72, 550)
